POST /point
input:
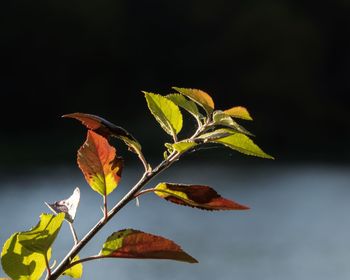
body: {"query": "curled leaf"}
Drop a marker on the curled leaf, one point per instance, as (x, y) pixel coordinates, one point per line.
(67, 206)
(243, 144)
(198, 196)
(202, 98)
(183, 146)
(135, 244)
(106, 129)
(75, 271)
(166, 112)
(99, 163)
(239, 112)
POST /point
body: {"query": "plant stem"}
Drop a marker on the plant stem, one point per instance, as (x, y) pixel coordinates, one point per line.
(47, 266)
(147, 176)
(75, 237)
(105, 209)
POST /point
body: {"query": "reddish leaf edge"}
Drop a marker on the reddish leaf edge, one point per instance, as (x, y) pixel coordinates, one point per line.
(234, 205)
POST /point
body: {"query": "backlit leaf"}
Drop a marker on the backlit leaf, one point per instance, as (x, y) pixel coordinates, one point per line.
(200, 97)
(216, 134)
(220, 118)
(239, 112)
(100, 165)
(75, 271)
(67, 206)
(198, 196)
(40, 238)
(20, 263)
(184, 103)
(183, 146)
(242, 143)
(166, 112)
(106, 129)
(130, 243)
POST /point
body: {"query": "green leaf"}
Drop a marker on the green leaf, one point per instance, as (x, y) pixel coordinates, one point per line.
(198, 196)
(239, 112)
(40, 238)
(20, 263)
(75, 271)
(130, 243)
(216, 134)
(242, 144)
(220, 118)
(186, 104)
(183, 146)
(202, 98)
(166, 112)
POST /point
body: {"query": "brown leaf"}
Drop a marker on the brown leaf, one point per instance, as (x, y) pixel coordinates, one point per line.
(198, 196)
(130, 243)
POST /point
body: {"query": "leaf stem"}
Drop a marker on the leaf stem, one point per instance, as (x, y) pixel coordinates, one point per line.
(105, 209)
(47, 266)
(75, 237)
(144, 192)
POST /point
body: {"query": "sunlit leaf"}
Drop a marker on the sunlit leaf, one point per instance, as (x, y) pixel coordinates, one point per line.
(130, 243)
(40, 238)
(106, 129)
(184, 103)
(183, 146)
(243, 144)
(220, 118)
(200, 97)
(67, 206)
(216, 134)
(166, 112)
(20, 263)
(198, 196)
(75, 271)
(100, 165)
(239, 112)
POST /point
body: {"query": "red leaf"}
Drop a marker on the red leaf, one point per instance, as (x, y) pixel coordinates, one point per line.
(202, 197)
(100, 125)
(135, 244)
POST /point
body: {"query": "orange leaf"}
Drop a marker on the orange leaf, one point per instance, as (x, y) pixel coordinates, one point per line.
(202, 197)
(135, 244)
(239, 112)
(100, 165)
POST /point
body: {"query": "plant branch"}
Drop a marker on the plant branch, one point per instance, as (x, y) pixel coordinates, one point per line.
(147, 176)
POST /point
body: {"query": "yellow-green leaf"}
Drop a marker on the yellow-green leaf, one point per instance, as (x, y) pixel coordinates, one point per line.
(200, 97)
(166, 112)
(183, 146)
(75, 271)
(40, 238)
(217, 134)
(99, 163)
(243, 144)
(221, 118)
(184, 103)
(20, 263)
(239, 112)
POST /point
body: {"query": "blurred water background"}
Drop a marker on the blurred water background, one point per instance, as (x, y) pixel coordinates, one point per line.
(298, 226)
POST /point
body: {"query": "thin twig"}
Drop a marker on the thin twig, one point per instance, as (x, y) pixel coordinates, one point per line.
(75, 237)
(105, 209)
(47, 266)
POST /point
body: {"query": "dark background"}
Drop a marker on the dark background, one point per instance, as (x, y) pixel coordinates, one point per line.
(287, 61)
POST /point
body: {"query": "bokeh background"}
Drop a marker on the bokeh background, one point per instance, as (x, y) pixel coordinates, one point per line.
(287, 61)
